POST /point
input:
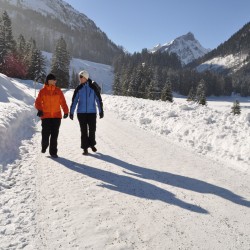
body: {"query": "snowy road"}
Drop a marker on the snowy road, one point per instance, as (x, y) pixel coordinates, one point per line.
(138, 192)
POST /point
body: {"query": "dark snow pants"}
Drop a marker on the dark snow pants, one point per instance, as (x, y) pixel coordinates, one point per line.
(88, 127)
(50, 131)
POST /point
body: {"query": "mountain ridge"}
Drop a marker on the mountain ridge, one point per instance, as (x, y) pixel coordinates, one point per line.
(229, 57)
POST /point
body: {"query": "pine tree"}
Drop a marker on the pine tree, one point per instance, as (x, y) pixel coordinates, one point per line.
(153, 91)
(133, 84)
(21, 47)
(191, 94)
(37, 69)
(33, 58)
(166, 94)
(146, 78)
(3, 51)
(139, 81)
(203, 100)
(201, 93)
(74, 79)
(117, 84)
(7, 43)
(236, 108)
(125, 79)
(28, 52)
(60, 63)
(10, 44)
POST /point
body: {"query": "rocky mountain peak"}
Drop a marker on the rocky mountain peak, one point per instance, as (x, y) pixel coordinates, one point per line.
(186, 47)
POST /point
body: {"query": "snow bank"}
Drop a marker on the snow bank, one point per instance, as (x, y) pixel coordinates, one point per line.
(17, 125)
(16, 118)
(211, 132)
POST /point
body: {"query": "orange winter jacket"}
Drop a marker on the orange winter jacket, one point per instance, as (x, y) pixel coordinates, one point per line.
(50, 100)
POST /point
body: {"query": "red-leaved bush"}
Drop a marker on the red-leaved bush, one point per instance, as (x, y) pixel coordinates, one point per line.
(13, 67)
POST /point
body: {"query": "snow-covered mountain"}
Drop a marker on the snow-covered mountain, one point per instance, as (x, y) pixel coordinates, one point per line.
(186, 47)
(46, 21)
(57, 9)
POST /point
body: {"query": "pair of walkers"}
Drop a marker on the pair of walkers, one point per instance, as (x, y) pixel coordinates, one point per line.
(51, 100)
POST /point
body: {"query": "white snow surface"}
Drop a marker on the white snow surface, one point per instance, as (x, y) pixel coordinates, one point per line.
(165, 176)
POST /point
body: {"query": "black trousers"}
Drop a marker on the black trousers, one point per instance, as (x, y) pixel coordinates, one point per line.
(50, 132)
(88, 127)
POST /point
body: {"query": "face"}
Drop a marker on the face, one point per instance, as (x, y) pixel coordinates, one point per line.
(51, 82)
(83, 79)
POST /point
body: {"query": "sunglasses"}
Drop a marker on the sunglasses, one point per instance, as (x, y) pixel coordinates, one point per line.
(81, 76)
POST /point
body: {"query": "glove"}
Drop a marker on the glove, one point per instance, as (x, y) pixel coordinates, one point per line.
(101, 114)
(65, 116)
(71, 116)
(39, 113)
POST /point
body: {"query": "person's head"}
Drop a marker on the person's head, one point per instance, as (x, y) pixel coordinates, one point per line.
(83, 76)
(50, 79)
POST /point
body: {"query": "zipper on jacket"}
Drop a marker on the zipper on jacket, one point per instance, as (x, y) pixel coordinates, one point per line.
(50, 100)
(86, 99)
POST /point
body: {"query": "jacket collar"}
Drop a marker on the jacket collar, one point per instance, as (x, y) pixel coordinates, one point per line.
(49, 87)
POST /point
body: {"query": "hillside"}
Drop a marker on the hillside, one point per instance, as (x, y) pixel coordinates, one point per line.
(100, 73)
(48, 20)
(230, 56)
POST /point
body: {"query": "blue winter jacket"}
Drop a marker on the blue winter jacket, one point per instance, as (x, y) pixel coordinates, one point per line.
(85, 97)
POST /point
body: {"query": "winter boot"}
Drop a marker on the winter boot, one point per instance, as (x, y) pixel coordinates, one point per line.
(94, 149)
(85, 152)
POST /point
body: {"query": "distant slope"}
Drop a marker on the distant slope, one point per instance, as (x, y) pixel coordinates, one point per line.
(101, 73)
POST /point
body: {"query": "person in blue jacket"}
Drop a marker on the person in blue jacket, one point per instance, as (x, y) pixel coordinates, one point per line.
(85, 97)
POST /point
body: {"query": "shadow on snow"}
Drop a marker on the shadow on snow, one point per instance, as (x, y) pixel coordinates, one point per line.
(128, 185)
(176, 180)
(142, 189)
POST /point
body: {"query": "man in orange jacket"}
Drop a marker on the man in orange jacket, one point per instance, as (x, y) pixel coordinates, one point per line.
(49, 102)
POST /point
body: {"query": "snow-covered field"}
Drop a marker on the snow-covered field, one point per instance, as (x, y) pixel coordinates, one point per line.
(166, 176)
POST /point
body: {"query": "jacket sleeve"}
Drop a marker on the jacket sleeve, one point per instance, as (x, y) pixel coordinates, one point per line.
(38, 102)
(99, 101)
(75, 99)
(98, 98)
(63, 103)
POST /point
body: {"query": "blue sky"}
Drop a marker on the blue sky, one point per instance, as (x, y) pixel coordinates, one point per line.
(138, 24)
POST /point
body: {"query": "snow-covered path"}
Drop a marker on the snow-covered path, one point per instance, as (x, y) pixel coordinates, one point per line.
(138, 192)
